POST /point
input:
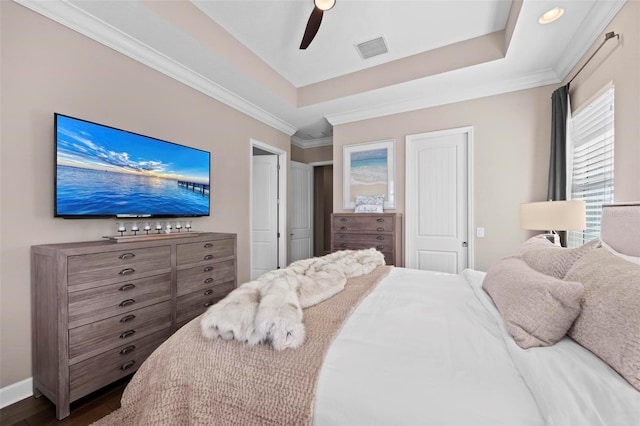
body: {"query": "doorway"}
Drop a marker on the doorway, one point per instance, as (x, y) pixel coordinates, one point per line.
(439, 200)
(267, 216)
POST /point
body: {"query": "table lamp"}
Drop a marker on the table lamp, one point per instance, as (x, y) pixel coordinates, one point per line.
(554, 216)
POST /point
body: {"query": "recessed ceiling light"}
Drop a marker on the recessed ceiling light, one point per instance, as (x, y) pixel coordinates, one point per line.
(551, 15)
(324, 4)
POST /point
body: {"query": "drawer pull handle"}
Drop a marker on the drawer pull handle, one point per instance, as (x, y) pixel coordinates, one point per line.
(127, 333)
(343, 236)
(127, 318)
(343, 245)
(208, 280)
(127, 350)
(208, 269)
(208, 245)
(127, 365)
(127, 302)
(343, 219)
(379, 247)
(380, 229)
(343, 228)
(209, 303)
(380, 237)
(125, 256)
(127, 271)
(127, 287)
(208, 292)
(380, 220)
(208, 257)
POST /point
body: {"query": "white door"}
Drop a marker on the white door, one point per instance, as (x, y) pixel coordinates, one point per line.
(264, 215)
(437, 200)
(301, 211)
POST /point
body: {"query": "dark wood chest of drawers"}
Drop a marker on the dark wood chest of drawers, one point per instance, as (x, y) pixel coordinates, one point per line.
(100, 308)
(383, 231)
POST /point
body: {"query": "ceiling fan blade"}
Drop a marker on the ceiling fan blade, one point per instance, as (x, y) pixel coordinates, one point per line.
(312, 27)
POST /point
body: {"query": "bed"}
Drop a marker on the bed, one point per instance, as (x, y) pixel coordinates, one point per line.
(427, 348)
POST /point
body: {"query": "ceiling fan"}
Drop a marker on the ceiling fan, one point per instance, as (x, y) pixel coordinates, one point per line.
(313, 25)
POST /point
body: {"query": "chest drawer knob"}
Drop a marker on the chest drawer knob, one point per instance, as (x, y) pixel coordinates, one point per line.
(343, 219)
(127, 365)
(380, 237)
(125, 256)
(209, 303)
(208, 269)
(127, 334)
(127, 318)
(208, 280)
(343, 245)
(380, 229)
(343, 228)
(343, 236)
(127, 287)
(208, 245)
(127, 302)
(208, 292)
(127, 350)
(380, 220)
(379, 247)
(127, 271)
(208, 257)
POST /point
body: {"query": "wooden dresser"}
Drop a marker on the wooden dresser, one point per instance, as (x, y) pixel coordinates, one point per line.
(100, 308)
(383, 231)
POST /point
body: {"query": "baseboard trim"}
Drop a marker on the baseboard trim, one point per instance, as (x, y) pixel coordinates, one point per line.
(16, 392)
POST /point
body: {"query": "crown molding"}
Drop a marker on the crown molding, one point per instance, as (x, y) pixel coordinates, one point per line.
(76, 19)
(536, 79)
(311, 143)
(595, 25)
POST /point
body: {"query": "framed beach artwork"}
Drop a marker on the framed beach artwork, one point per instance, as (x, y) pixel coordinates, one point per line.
(369, 171)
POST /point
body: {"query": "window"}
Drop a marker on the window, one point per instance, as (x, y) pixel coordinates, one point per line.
(591, 173)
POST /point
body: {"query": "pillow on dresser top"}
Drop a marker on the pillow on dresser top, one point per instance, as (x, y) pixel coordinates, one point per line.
(373, 204)
(609, 322)
(551, 259)
(537, 309)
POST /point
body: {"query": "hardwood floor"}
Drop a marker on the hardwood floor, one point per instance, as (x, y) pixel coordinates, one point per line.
(42, 412)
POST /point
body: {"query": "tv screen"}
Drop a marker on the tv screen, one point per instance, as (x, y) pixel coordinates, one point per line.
(102, 171)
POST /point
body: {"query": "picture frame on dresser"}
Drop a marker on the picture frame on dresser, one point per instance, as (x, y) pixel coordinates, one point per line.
(369, 170)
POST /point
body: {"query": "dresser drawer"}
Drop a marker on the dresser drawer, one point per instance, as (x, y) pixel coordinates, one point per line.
(205, 276)
(191, 305)
(96, 337)
(117, 299)
(114, 265)
(204, 251)
(96, 372)
(368, 223)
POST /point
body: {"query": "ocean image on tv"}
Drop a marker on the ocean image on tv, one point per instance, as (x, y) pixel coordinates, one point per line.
(105, 171)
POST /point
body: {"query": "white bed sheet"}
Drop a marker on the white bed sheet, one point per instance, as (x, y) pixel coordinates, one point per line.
(428, 348)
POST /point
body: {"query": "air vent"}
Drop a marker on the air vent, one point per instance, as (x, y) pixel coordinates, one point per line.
(371, 48)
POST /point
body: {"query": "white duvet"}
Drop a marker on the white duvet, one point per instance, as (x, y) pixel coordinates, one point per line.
(428, 348)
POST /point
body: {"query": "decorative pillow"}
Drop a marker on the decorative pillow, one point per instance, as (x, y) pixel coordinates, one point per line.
(537, 309)
(609, 323)
(373, 204)
(551, 259)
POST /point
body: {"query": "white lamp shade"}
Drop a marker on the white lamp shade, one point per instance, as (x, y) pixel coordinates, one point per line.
(554, 216)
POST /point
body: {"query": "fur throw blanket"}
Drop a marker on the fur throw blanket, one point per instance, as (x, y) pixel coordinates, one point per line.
(269, 309)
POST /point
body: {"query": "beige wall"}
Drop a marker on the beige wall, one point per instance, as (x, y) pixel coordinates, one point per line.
(512, 138)
(510, 158)
(312, 155)
(618, 61)
(48, 68)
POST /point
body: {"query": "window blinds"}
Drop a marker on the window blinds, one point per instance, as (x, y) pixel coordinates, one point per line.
(592, 170)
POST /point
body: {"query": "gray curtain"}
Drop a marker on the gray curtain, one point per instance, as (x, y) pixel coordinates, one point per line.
(557, 189)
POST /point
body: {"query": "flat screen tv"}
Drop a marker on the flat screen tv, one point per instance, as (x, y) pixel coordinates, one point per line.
(102, 171)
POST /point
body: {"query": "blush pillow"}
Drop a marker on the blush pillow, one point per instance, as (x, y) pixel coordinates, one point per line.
(550, 259)
(537, 309)
(609, 322)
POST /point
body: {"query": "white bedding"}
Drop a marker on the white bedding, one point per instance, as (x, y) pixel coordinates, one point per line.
(428, 348)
